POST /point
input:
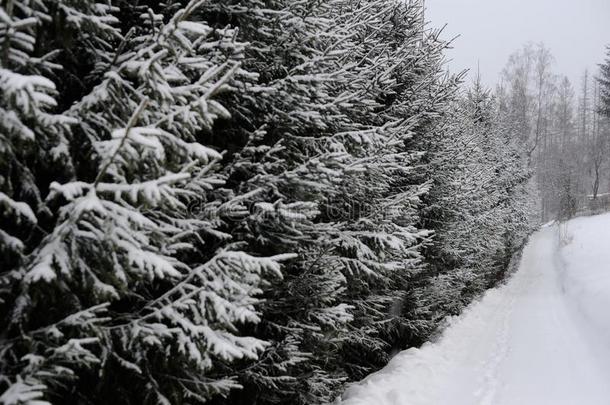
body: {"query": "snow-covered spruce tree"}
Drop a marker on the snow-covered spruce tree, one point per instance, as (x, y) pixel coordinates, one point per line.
(113, 290)
(286, 116)
(398, 75)
(342, 89)
(478, 207)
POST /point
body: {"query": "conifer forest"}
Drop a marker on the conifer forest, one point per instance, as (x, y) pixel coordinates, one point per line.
(262, 202)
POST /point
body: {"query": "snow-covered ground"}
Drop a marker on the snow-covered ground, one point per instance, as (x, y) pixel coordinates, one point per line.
(542, 338)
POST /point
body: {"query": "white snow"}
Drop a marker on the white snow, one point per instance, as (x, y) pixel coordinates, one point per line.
(542, 338)
(19, 207)
(585, 261)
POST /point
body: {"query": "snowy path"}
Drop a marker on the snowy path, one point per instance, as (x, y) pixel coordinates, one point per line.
(542, 338)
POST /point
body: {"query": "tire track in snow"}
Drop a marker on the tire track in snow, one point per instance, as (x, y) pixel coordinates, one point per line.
(490, 381)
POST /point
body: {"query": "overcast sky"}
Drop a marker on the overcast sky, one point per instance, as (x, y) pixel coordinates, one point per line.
(490, 30)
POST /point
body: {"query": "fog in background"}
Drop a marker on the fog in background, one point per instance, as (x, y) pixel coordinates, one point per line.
(490, 30)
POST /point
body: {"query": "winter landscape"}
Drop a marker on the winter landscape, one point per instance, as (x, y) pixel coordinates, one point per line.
(304, 202)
